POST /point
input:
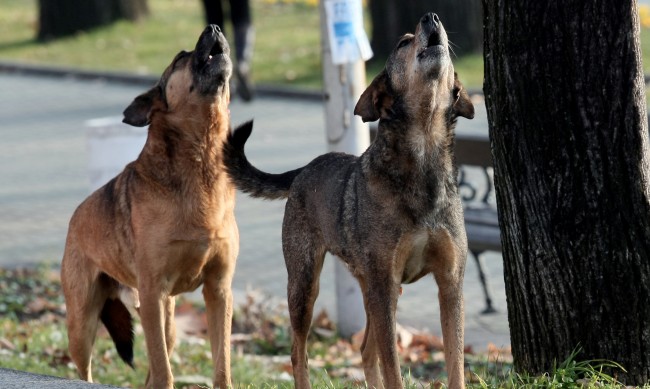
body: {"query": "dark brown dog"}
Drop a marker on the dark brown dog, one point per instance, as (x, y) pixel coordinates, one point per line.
(393, 215)
(163, 226)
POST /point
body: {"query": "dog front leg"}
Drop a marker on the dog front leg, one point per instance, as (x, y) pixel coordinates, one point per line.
(152, 308)
(451, 316)
(381, 303)
(218, 301)
(449, 268)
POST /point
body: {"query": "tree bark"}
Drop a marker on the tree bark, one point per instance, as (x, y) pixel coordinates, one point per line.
(565, 97)
(392, 19)
(59, 18)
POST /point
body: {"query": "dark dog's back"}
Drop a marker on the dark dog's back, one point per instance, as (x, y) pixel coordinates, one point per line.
(324, 184)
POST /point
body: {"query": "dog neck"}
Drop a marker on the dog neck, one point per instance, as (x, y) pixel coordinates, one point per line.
(416, 160)
(421, 135)
(186, 152)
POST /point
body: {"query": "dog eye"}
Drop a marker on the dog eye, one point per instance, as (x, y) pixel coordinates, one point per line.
(403, 43)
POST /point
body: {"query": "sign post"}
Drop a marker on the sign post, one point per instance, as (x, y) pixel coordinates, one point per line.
(345, 47)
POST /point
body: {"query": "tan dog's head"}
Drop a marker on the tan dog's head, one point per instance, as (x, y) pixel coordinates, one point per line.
(418, 81)
(194, 79)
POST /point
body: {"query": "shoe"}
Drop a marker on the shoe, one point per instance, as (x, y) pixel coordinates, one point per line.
(244, 86)
(244, 41)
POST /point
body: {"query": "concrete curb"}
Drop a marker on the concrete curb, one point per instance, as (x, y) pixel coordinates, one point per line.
(264, 90)
(14, 379)
(144, 80)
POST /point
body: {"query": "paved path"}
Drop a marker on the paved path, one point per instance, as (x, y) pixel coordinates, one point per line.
(43, 177)
(14, 379)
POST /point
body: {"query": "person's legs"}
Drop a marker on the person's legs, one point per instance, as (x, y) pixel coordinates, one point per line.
(213, 12)
(240, 14)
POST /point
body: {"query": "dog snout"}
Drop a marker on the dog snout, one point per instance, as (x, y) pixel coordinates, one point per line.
(430, 20)
(213, 29)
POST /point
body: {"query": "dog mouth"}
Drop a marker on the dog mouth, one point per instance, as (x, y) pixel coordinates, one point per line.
(216, 50)
(434, 45)
(433, 38)
(211, 44)
(211, 66)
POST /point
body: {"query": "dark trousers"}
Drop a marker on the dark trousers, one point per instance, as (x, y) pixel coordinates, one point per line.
(240, 16)
(240, 13)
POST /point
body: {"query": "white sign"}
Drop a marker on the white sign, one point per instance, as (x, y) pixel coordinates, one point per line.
(348, 39)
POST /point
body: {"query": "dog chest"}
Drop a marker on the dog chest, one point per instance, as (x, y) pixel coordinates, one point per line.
(415, 263)
(188, 262)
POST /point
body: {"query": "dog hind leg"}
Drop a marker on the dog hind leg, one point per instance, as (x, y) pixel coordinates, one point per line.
(370, 359)
(85, 291)
(170, 325)
(304, 262)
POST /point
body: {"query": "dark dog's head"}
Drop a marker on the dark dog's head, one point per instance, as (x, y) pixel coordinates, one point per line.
(199, 77)
(418, 79)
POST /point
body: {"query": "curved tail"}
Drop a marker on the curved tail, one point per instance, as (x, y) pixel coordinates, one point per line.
(248, 178)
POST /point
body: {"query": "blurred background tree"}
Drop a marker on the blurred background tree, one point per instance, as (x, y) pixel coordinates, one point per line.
(391, 19)
(58, 18)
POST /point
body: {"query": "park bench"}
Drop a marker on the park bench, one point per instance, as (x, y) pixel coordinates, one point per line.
(481, 221)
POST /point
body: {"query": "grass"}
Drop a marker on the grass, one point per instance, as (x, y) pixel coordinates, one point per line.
(42, 349)
(287, 47)
(33, 338)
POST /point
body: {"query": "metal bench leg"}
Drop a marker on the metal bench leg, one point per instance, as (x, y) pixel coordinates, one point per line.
(482, 276)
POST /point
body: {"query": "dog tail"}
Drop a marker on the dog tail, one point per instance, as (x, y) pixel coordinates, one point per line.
(248, 178)
(119, 323)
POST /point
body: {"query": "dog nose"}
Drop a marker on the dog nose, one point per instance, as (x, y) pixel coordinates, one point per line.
(215, 28)
(430, 18)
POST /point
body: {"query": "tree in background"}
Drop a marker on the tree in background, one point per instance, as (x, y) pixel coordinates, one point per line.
(391, 19)
(59, 18)
(566, 104)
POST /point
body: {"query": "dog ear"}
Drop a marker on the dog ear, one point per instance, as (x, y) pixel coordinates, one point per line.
(462, 103)
(138, 112)
(375, 102)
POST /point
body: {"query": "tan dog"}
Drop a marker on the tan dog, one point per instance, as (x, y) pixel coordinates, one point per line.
(163, 226)
(393, 215)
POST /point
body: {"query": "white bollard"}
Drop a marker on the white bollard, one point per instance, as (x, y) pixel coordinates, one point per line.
(111, 145)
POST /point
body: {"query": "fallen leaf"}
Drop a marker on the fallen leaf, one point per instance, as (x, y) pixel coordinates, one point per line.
(6, 344)
(323, 321)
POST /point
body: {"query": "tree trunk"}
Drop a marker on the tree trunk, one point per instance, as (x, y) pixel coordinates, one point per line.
(392, 19)
(566, 105)
(58, 18)
(132, 10)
